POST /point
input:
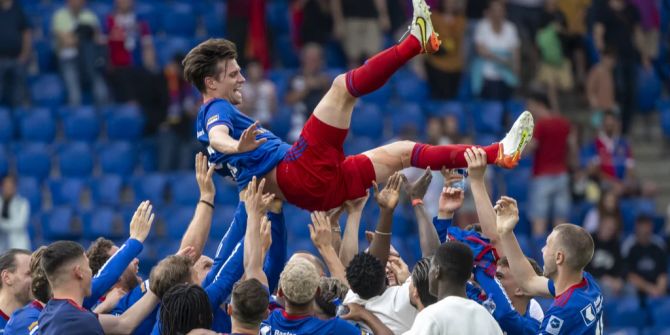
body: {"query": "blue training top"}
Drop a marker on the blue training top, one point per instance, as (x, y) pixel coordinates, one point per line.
(243, 166)
(24, 320)
(64, 316)
(278, 322)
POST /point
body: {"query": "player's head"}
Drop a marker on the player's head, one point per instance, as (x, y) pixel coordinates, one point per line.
(505, 277)
(170, 272)
(450, 267)
(102, 250)
(39, 286)
(419, 290)
(366, 275)
(316, 261)
(15, 274)
(569, 248)
(212, 68)
(65, 263)
(332, 293)
(299, 284)
(249, 304)
(185, 307)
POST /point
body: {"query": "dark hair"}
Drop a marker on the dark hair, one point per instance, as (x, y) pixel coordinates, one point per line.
(40, 284)
(366, 275)
(455, 260)
(185, 307)
(420, 281)
(577, 244)
(8, 260)
(536, 267)
(331, 290)
(250, 301)
(58, 254)
(98, 253)
(644, 218)
(169, 272)
(539, 96)
(203, 60)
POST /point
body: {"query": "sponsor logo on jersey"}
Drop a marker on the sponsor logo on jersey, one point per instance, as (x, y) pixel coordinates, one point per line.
(588, 314)
(212, 119)
(554, 325)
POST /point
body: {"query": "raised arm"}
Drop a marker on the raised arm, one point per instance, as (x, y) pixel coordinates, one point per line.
(221, 141)
(476, 158)
(507, 216)
(198, 230)
(319, 232)
(257, 204)
(451, 199)
(130, 319)
(387, 199)
(428, 238)
(349, 247)
(335, 229)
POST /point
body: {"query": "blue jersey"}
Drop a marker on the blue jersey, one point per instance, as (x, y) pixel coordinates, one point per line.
(579, 310)
(24, 320)
(129, 300)
(243, 166)
(279, 322)
(3, 321)
(64, 316)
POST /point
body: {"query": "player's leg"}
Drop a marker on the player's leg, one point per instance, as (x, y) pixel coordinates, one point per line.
(337, 105)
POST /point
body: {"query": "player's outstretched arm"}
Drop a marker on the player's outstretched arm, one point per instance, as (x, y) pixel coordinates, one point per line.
(388, 200)
(221, 141)
(319, 232)
(507, 216)
(349, 247)
(476, 158)
(257, 204)
(130, 319)
(428, 238)
(198, 230)
(335, 229)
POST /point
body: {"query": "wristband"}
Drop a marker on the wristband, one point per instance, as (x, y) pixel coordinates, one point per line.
(211, 205)
(417, 202)
(380, 233)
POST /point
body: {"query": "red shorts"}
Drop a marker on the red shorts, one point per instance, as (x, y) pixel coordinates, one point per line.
(316, 176)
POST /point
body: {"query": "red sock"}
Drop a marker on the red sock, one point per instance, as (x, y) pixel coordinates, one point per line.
(378, 69)
(449, 156)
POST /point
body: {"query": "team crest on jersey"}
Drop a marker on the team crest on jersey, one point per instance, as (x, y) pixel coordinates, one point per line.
(588, 314)
(554, 325)
(212, 119)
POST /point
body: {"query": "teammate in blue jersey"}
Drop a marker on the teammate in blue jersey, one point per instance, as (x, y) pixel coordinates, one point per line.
(14, 282)
(24, 320)
(578, 303)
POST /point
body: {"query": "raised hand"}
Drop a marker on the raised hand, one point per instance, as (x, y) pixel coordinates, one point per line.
(507, 214)
(188, 252)
(266, 233)
(319, 230)
(389, 196)
(399, 269)
(257, 203)
(248, 141)
(476, 158)
(203, 175)
(451, 199)
(356, 205)
(140, 224)
(417, 190)
(356, 312)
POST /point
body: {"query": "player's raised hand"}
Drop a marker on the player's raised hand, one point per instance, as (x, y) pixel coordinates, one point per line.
(257, 202)
(140, 224)
(248, 141)
(266, 233)
(451, 199)
(507, 214)
(476, 158)
(319, 230)
(389, 196)
(356, 205)
(399, 268)
(417, 190)
(188, 252)
(203, 175)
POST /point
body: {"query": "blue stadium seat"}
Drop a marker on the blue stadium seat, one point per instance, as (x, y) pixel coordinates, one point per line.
(660, 312)
(381, 96)
(117, 158)
(356, 145)
(409, 87)
(47, 90)
(407, 115)
(6, 126)
(656, 330)
(226, 192)
(30, 189)
(106, 190)
(38, 126)
(58, 224)
(367, 121)
(487, 116)
(296, 221)
(75, 160)
(649, 89)
(45, 55)
(33, 160)
(444, 108)
(664, 108)
(624, 312)
(150, 187)
(517, 182)
(148, 12)
(184, 189)
(179, 20)
(335, 56)
(101, 9)
(214, 24)
(4, 162)
(286, 51)
(277, 16)
(104, 222)
(125, 123)
(514, 108)
(623, 331)
(81, 124)
(168, 47)
(67, 191)
(177, 220)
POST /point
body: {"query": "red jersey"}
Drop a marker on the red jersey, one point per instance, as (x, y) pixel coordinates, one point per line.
(551, 135)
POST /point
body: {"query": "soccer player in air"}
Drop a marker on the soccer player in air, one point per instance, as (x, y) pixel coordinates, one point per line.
(314, 173)
(578, 303)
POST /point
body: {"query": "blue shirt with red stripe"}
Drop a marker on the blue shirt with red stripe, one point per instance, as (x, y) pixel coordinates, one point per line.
(24, 320)
(64, 316)
(243, 166)
(3, 321)
(280, 322)
(578, 310)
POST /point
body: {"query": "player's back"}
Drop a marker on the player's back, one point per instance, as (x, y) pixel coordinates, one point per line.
(579, 310)
(24, 320)
(64, 316)
(243, 166)
(279, 322)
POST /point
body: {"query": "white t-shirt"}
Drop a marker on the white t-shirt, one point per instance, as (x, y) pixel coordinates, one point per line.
(455, 316)
(506, 41)
(392, 308)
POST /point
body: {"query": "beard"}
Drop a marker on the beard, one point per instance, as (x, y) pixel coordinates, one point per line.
(129, 281)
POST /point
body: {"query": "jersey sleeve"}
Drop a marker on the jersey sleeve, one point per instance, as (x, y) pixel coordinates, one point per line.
(219, 113)
(551, 287)
(228, 243)
(231, 271)
(276, 257)
(441, 226)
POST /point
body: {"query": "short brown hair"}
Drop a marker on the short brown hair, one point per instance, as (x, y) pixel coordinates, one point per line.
(8, 260)
(203, 60)
(577, 244)
(250, 301)
(40, 284)
(169, 272)
(98, 253)
(536, 267)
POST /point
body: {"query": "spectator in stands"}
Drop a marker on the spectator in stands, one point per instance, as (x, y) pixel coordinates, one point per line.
(647, 262)
(307, 87)
(611, 156)
(608, 205)
(260, 95)
(650, 23)
(553, 149)
(444, 68)
(607, 265)
(574, 12)
(600, 90)
(14, 215)
(313, 21)
(131, 51)
(246, 28)
(617, 25)
(359, 25)
(555, 70)
(14, 282)
(78, 38)
(15, 53)
(453, 313)
(527, 17)
(495, 72)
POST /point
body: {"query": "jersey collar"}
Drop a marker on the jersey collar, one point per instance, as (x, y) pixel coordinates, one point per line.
(563, 298)
(4, 316)
(294, 317)
(37, 305)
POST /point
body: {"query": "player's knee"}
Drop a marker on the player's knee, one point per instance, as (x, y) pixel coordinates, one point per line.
(405, 149)
(340, 83)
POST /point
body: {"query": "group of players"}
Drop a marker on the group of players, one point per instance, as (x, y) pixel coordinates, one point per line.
(462, 286)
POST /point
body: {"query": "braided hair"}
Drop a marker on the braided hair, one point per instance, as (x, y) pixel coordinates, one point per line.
(185, 307)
